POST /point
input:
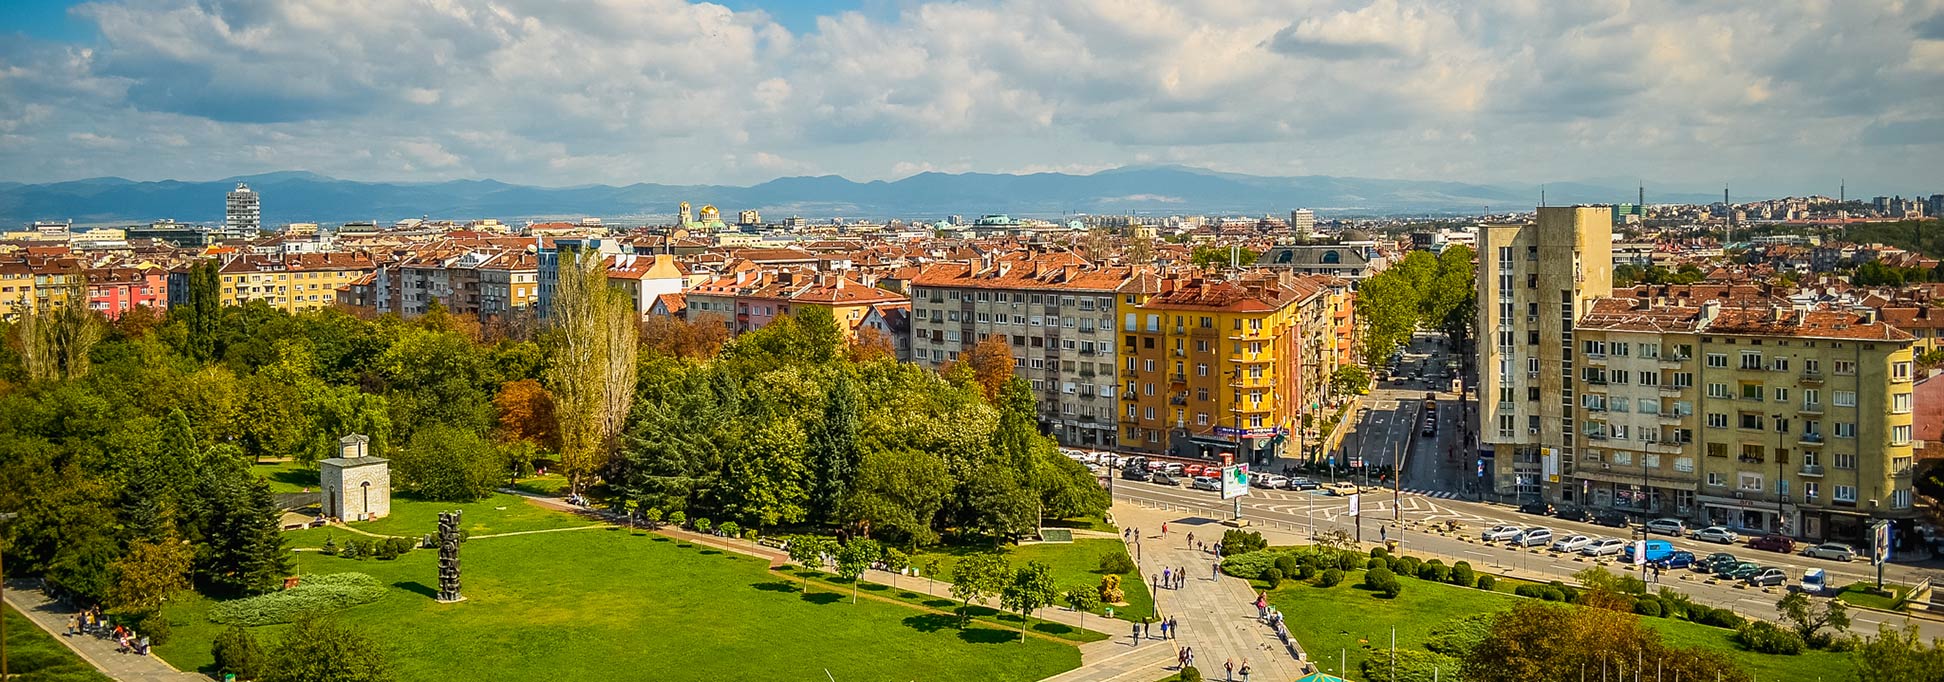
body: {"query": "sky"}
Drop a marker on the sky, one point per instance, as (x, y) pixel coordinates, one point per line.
(1766, 97)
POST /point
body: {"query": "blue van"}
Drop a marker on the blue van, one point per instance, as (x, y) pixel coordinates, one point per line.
(1656, 550)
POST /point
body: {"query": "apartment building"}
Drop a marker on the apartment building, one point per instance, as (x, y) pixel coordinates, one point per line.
(113, 291)
(508, 284)
(1766, 418)
(1217, 368)
(293, 283)
(1534, 282)
(1057, 313)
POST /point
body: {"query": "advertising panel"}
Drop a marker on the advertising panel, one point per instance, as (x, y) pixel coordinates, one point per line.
(1235, 481)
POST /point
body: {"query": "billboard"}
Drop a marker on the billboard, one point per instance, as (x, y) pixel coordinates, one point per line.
(1235, 481)
(1880, 543)
(1354, 507)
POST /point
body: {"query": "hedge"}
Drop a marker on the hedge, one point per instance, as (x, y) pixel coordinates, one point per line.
(314, 595)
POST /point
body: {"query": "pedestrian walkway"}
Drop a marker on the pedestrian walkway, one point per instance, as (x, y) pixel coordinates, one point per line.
(1215, 612)
(100, 653)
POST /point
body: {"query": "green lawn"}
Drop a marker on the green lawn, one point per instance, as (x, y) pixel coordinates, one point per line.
(287, 477)
(550, 485)
(499, 513)
(614, 605)
(1345, 618)
(1865, 594)
(33, 655)
(1073, 564)
(823, 580)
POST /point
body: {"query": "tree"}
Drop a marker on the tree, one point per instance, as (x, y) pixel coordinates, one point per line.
(236, 652)
(871, 344)
(204, 313)
(526, 413)
(271, 418)
(895, 561)
(977, 578)
(1031, 589)
(1387, 309)
(1211, 256)
(834, 455)
(449, 464)
(54, 342)
(807, 551)
(1898, 655)
(1083, 599)
(1544, 641)
(991, 361)
(245, 553)
(854, 558)
(318, 651)
(1808, 619)
(1140, 250)
(823, 339)
(148, 574)
(697, 338)
(1349, 379)
(594, 372)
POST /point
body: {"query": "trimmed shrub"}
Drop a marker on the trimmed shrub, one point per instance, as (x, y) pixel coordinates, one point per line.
(1348, 560)
(1462, 575)
(1647, 606)
(749, 534)
(1273, 577)
(1721, 618)
(1305, 571)
(1330, 578)
(1410, 565)
(729, 529)
(1377, 564)
(1763, 636)
(1189, 674)
(1487, 582)
(313, 596)
(1236, 541)
(1252, 563)
(1287, 564)
(703, 525)
(678, 519)
(1379, 553)
(1528, 590)
(1434, 572)
(1116, 562)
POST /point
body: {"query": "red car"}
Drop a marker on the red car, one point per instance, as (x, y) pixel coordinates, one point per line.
(1194, 470)
(1773, 543)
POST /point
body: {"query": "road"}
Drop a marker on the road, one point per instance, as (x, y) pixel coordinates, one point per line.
(1306, 512)
(1386, 427)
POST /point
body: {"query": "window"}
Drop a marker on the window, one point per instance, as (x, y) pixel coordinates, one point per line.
(1751, 392)
(1811, 490)
(1683, 379)
(1749, 360)
(1649, 377)
(1618, 405)
(1717, 421)
(1900, 371)
(1684, 464)
(1845, 460)
(1845, 398)
(1751, 421)
(1618, 376)
(1718, 390)
(1622, 458)
(1781, 395)
(1845, 367)
(1846, 493)
(1715, 479)
(1749, 481)
(1845, 429)
(1899, 403)
(1900, 434)
(1201, 369)
(1717, 450)
(1717, 360)
(1780, 365)
(1619, 349)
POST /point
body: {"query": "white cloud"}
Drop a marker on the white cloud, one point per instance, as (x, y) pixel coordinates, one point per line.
(621, 91)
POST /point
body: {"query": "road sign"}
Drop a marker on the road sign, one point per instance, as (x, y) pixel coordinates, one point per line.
(1356, 462)
(1640, 552)
(1235, 481)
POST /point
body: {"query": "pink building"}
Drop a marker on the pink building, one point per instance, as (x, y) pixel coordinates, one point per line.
(113, 291)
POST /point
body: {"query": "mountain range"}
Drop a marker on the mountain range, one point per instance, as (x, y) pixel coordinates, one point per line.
(299, 196)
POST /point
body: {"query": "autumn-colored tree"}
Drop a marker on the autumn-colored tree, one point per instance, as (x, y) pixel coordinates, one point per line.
(871, 344)
(991, 362)
(149, 573)
(699, 338)
(1541, 641)
(526, 413)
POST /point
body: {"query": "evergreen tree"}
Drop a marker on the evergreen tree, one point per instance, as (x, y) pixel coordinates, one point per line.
(833, 450)
(204, 311)
(245, 552)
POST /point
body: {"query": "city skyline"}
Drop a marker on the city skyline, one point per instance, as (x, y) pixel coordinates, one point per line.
(673, 92)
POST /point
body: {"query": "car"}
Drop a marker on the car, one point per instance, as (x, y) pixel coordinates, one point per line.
(1612, 519)
(1097, 469)
(1303, 483)
(1156, 465)
(1604, 547)
(1536, 536)
(1174, 469)
(1744, 569)
(1656, 550)
(1715, 534)
(1536, 507)
(1729, 569)
(1430, 427)
(1773, 542)
(1572, 514)
(1571, 543)
(1162, 478)
(1135, 474)
(1667, 526)
(1767, 577)
(1270, 481)
(1814, 581)
(1205, 483)
(1496, 533)
(1679, 559)
(1194, 470)
(1341, 488)
(1715, 561)
(1834, 551)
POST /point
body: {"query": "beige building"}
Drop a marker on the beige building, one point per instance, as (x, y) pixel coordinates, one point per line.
(1534, 281)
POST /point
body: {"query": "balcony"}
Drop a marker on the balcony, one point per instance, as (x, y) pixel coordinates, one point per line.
(1672, 361)
(1177, 378)
(1178, 400)
(1599, 386)
(1811, 470)
(1671, 391)
(1745, 459)
(1594, 358)
(1811, 377)
(1667, 447)
(1670, 417)
(1810, 439)
(1596, 436)
(1811, 408)
(1130, 397)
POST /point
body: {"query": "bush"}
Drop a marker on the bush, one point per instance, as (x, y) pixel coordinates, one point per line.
(729, 529)
(1763, 636)
(1647, 606)
(1288, 564)
(749, 534)
(1377, 578)
(237, 653)
(1377, 563)
(150, 623)
(703, 525)
(1236, 541)
(1189, 674)
(1434, 573)
(1116, 562)
(1330, 578)
(386, 550)
(330, 546)
(1721, 618)
(1305, 571)
(1487, 581)
(1528, 590)
(1842, 644)
(1462, 575)
(678, 519)
(1409, 564)
(314, 595)
(652, 516)
(1379, 553)
(1273, 577)
(351, 549)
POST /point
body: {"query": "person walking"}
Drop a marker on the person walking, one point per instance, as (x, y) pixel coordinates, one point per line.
(1136, 635)
(1245, 670)
(1215, 570)
(1191, 538)
(1167, 575)
(1144, 628)
(1228, 670)
(1164, 630)
(1383, 533)
(1164, 529)
(1174, 628)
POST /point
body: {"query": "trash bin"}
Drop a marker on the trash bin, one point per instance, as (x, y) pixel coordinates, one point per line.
(1390, 545)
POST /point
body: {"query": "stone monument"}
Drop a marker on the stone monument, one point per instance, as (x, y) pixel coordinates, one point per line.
(449, 557)
(355, 485)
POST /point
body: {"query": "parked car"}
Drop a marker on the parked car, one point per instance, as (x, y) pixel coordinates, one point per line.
(1604, 547)
(1270, 481)
(1715, 561)
(1679, 559)
(1656, 550)
(1075, 455)
(1773, 542)
(1736, 570)
(1135, 474)
(1342, 488)
(1174, 469)
(1206, 483)
(1536, 507)
(1571, 543)
(1814, 581)
(1536, 536)
(1572, 514)
(1496, 533)
(1195, 470)
(1156, 465)
(1162, 478)
(1613, 519)
(1302, 483)
(1716, 534)
(1834, 551)
(1767, 577)
(1667, 526)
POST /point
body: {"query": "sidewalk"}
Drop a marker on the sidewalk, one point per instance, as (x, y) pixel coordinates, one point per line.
(99, 653)
(1213, 612)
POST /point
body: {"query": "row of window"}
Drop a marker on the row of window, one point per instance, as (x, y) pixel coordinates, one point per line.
(1084, 302)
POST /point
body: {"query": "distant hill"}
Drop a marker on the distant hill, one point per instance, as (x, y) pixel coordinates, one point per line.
(299, 196)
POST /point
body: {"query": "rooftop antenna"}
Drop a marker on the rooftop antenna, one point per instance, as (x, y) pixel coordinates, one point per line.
(1542, 196)
(1842, 191)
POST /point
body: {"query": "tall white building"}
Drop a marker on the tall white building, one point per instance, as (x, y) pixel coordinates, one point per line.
(1303, 221)
(242, 214)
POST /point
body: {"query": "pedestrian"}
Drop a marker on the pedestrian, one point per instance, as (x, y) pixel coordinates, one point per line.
(1164, 630)
(1136, 635)
(1167, 575)
(1164, 530)
(1174, 628)
(1144, 628)
(1181, 658)
(1215, 570)
(1228, 670)
(1245, 670)
(1191, 656)
(1383, 533)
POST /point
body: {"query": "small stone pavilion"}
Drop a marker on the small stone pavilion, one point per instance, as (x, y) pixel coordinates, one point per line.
(356, 485)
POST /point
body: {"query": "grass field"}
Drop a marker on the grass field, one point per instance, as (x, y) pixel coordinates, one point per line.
(287, 477)
(823, 580)
(614, 605)
(1345, 618)
(499, 513)
(551, 485)
(1865, 594)
(1074, 564)
(35, 656)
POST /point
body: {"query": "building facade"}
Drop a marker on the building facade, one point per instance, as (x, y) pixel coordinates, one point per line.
(242, 211)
